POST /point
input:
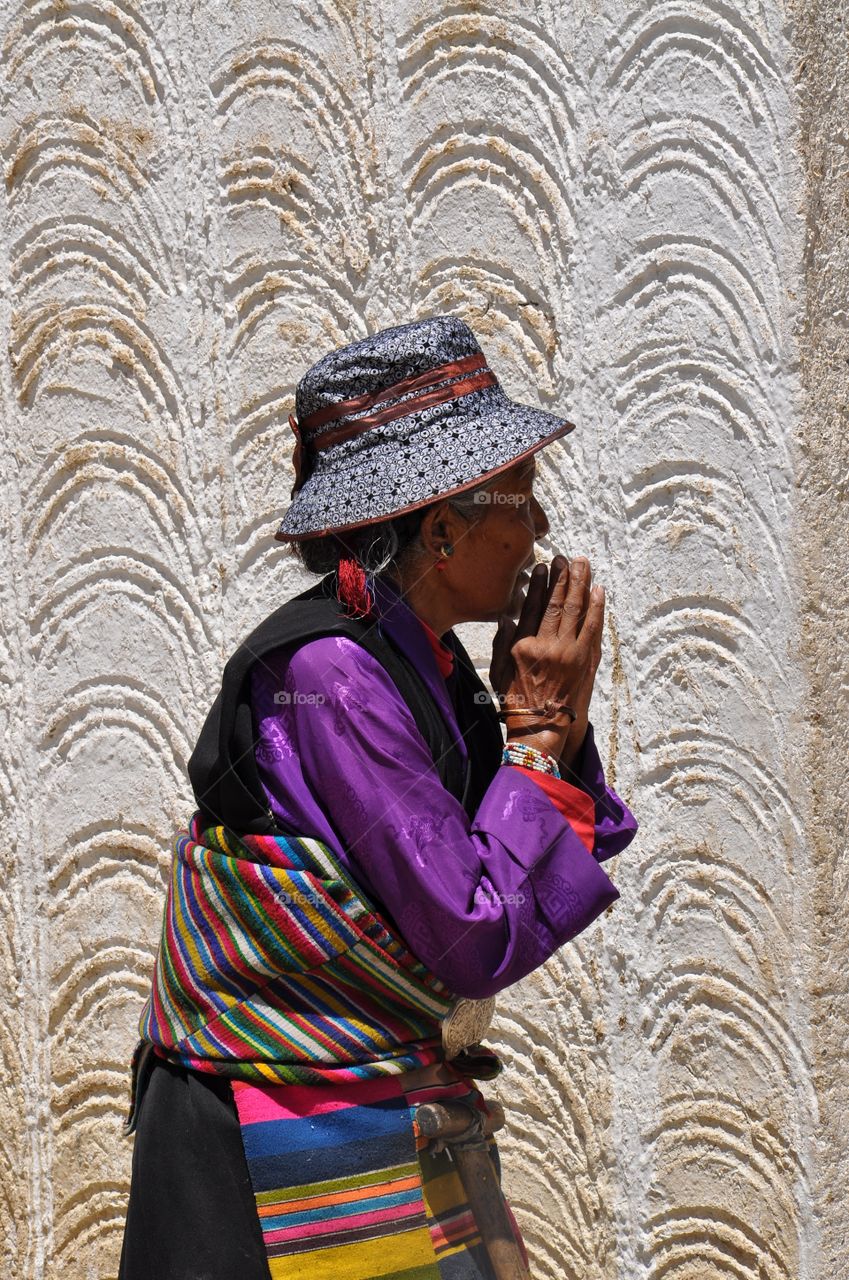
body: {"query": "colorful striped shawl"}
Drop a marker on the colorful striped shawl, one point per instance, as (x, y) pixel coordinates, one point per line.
(273, 967)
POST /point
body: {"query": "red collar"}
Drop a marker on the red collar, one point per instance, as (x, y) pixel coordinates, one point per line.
(444, 656)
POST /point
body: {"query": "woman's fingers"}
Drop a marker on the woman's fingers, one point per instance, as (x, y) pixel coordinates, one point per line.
(501, 667)
(550, 619)
(505, 637)
(534, 605)
(507, 628)
(585, 603)
(593, 626)
(558, 564)
(573, 607)
(600, 633)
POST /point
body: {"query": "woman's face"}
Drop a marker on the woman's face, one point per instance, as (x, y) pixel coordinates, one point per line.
(490, 557)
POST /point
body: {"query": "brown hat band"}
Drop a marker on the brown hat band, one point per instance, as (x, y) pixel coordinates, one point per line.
(416, 382)
(478, 375)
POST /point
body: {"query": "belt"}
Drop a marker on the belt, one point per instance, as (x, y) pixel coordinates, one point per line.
(434, 1073)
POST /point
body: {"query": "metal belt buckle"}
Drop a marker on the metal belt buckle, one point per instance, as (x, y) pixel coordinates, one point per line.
(466, 1023)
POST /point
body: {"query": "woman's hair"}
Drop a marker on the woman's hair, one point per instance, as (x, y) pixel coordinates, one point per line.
(386, 543)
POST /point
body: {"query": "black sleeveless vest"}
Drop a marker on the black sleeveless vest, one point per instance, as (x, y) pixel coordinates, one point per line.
(222, 768)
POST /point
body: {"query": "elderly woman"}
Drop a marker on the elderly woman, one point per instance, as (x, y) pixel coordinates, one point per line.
(369, 861)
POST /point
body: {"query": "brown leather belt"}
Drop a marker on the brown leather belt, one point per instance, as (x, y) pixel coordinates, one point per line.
(435, 1073)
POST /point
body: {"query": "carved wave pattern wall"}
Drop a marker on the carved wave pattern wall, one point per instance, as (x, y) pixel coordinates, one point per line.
(716, 1104)
(199, 200)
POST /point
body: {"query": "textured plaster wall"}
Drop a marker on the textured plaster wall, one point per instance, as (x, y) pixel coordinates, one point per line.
(822, 48)
(199, 199)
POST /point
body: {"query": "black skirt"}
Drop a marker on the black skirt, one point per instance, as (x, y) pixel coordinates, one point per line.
(192, 1213)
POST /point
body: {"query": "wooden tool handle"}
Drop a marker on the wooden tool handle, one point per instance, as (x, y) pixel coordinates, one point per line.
(449, 1120)
(489, 1208)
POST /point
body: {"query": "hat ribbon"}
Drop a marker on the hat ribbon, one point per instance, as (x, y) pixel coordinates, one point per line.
(469, 374)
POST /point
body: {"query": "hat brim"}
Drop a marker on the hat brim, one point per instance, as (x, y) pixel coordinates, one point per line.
(347, 492)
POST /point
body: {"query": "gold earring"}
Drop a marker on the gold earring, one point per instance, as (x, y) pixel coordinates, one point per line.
(445, 551)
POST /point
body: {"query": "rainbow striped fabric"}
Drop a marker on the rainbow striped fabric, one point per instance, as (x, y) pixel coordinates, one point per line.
(272, 966)
(275, 971)
(346, 1189)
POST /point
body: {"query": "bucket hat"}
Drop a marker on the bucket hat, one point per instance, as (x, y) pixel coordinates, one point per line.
(397, 420)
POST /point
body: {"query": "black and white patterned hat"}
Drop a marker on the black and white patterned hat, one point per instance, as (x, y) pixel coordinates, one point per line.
(398, 420)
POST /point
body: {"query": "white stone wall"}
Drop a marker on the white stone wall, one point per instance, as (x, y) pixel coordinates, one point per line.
(199, 200)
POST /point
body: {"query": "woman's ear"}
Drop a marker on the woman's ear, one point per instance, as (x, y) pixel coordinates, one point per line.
(434, 531)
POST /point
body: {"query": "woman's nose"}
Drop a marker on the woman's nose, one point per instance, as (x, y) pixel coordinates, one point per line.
(541, 525)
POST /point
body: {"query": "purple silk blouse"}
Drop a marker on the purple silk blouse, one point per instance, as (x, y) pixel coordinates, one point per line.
(482, 902)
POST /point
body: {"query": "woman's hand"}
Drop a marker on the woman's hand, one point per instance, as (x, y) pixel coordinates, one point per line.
(551, 653)
(578, 730)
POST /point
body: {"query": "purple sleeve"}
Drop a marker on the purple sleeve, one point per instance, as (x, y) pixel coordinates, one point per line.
(481, 902)
(615, 825)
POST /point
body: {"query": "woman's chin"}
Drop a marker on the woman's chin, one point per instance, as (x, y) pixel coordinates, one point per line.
(511, 605)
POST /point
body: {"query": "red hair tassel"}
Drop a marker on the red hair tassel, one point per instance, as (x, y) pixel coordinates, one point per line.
(351, 587)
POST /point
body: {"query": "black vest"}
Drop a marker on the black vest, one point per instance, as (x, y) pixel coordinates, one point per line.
(222, 768)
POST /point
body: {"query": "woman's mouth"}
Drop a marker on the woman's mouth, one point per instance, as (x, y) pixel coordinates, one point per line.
(524, 575)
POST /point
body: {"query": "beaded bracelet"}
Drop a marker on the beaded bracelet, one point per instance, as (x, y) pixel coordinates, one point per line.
(530, 758)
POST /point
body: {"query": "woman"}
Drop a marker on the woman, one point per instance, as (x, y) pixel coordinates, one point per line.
(369, 862)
